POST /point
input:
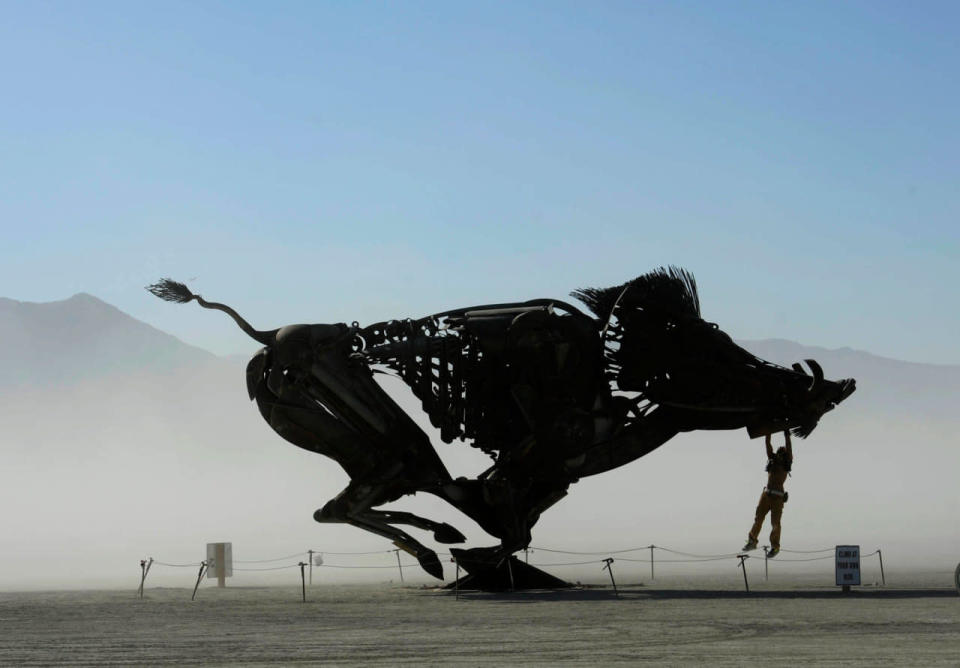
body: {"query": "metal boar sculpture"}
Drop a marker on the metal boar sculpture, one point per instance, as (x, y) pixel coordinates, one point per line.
(550, 393)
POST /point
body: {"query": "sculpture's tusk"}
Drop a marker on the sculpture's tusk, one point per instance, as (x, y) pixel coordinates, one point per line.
(817, 373)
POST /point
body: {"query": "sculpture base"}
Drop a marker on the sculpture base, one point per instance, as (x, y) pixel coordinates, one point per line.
(510, 574)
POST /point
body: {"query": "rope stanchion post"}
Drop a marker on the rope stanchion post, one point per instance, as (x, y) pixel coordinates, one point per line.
(144, 569)
(399, 565)
(743, 558)
(651, 561)
(607, 567)
(456, 583)
(766, 561)
(310, 555)
(303, 582)
(526, 555)
(883, 580)
(203, 567)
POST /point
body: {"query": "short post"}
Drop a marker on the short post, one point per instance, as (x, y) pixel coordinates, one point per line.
(509, 569)
(203, 567)
(220, 562)
(310, 554)
(303, 582)
(399, 566)
(144, 569)
(608, 568)
(766, 560)
(883, 580)
(651, 561)
(526, 555)
(743, 558)
(456, 583)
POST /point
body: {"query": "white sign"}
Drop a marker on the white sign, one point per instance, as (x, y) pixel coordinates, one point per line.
(848, 564)
(214, 567)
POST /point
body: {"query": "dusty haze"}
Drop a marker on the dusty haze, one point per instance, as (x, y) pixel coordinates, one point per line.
(121, 442)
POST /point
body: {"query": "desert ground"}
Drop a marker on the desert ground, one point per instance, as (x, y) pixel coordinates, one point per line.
(677, 623)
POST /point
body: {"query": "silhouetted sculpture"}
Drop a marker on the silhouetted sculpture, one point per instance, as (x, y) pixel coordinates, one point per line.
(549, 393)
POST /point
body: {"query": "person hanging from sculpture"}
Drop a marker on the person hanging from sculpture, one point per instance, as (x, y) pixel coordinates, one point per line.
(774, 495)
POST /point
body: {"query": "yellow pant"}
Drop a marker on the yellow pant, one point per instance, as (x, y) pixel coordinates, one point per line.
(774, 505)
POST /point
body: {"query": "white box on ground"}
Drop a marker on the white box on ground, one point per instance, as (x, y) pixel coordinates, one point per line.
(213, 565)
(848, 564)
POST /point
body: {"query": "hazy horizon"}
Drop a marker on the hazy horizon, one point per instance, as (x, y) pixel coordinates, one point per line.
(127, 458)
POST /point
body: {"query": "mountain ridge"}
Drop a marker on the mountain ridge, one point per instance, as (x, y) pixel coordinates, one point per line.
(83, 337)
(844, 350)
(91, 302)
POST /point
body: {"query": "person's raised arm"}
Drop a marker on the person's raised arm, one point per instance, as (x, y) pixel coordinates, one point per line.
(769, 447)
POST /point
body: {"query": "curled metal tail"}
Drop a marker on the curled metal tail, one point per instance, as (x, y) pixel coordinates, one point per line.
(174, 291)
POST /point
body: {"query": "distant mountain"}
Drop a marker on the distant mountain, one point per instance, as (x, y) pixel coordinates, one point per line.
(848, 362)
(81, 338)
(883, 384)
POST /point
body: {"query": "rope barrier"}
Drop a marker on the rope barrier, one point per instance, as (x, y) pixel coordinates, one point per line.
(325, 552)
(605, 563)
(193, 565)
(632, 549)
(570, 563)
(693, 558)
(265, 561)
(341, 566)
(727, 555)
(273, 568)
(682, 561)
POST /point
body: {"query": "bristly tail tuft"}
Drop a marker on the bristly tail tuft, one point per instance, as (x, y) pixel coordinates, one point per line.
(171, 291)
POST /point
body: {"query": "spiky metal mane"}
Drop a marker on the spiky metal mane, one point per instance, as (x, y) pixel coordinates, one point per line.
(669, 289)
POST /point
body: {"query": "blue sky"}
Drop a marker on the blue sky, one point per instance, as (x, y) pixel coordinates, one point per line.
(324, 162)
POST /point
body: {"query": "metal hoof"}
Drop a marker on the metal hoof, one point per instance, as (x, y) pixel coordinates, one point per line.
(430, 563)
(447, 534)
